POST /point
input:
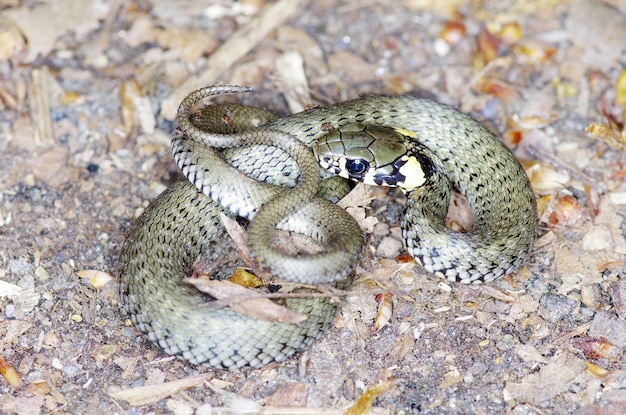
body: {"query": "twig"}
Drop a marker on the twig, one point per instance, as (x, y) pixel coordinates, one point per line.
(38, 93)
(236, 47)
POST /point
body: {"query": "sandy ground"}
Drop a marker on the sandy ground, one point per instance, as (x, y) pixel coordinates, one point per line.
(88, 94)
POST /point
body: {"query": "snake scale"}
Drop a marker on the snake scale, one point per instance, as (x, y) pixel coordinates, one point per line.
(245, 162)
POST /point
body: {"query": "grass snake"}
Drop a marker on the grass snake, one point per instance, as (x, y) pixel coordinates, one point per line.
(244, 161)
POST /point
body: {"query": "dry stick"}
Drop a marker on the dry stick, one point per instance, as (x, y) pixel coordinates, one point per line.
(38, 94)
(237, 46)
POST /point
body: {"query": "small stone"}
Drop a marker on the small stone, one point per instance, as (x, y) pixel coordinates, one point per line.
(389, 247)
(598, 239)
(9, 311)
(381, 229)
(41, 274)
(71, 370)
(507, 342)
(56, 363)
(591, 296)
(554, 308)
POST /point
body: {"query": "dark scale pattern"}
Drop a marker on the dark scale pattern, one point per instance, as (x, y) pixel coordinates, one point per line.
(152, 266)
(167, 238)
(462, 154)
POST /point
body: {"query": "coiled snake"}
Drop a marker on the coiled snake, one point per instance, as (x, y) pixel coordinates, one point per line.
(422, 146)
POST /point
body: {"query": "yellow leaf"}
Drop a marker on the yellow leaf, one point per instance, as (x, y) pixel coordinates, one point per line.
(97, 278)
(620, 90)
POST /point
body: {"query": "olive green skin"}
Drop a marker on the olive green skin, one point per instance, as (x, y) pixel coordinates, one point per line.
(452, 150)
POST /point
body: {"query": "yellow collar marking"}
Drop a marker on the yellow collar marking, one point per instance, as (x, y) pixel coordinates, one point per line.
(413, 173)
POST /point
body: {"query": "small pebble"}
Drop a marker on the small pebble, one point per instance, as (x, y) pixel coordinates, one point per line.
(598, 239)
(9, 311)
(381, 229)
(56, 363)
(507, 342)
(389, 247)
(19, 267)
(591, 296)
(71, 370)
(554, 308)
(128, 332)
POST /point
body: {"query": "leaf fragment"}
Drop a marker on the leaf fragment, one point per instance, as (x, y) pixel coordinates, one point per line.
(146, 395)
(245, 301)
(10, 374)
(97, 279)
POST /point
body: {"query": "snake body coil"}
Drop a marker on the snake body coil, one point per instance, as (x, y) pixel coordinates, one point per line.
(442, 145)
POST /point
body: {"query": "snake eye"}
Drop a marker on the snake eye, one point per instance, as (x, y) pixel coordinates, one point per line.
(357, 166)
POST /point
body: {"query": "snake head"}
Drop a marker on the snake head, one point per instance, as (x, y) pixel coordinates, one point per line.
(373, 154)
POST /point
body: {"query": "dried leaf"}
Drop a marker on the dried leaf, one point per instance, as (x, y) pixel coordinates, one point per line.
(364, 403)
(534, 52)
(450, 378)
(487, 47)
(130, 93)
(503, 90)
(529, 353)
(596, 348)
(292, 394)
(292, 80)
(8, 289)
(385, 310)
(146, 395)
(553, 379)
(239, 237)
(510, 33)
(237, 403)
(245, 279)
(38, 387)
(566, 211)
(449, 8)
(617, 291)
(245, 301)
(596, 370)
(495, 293)
(355, 203)
(362, 70)
(22, 404)
(12, 40)
(453, 32)
(545, 180)
(534, 121)
(620, 89)
(10, 374)
(98, 279)
(104, 352)
(607, 134)
(609, 327)
(190, 44)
